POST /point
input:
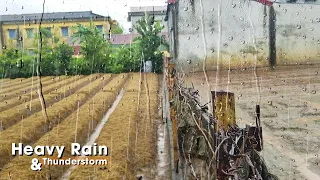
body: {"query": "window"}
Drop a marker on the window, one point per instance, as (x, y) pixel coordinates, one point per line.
(31, 52)
(29, 33)
(49, 30)
(12, 33)
(65, 31)
(100, 27)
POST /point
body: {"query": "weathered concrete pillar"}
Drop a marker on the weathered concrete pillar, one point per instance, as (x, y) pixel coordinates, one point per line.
(272, 38)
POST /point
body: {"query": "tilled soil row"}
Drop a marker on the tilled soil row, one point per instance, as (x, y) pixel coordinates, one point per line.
(70, 130)
(11, 116)
(35, 126)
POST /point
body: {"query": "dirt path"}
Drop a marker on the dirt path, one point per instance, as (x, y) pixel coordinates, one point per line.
(95, 134)
(290, 114)
(285, 150)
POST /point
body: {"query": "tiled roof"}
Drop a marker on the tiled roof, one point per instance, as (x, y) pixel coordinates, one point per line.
(171, 1)
(266, 2)
(51, 16)
(119, 39)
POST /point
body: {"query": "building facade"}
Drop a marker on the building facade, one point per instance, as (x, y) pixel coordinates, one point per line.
(158, 12)
(18, 31)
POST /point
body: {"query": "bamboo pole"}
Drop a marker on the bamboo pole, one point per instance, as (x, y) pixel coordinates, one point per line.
(128, 147)
(77, 119)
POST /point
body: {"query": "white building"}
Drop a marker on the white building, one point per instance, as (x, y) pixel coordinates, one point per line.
(159, 13)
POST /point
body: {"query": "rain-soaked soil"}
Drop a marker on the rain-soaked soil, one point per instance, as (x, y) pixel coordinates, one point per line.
(290, 113)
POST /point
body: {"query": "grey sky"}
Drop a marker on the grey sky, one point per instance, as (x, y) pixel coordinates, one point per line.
(117, 9)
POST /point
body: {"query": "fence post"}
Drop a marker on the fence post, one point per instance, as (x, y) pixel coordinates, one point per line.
(223, 106)
(170, 75)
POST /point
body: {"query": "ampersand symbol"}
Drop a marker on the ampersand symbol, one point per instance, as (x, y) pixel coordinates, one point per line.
(36, 165)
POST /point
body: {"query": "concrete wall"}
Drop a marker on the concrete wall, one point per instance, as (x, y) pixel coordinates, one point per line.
(297, 33)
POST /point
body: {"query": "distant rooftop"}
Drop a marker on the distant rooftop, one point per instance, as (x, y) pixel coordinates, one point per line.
(148, 8)
(140, 11)
(120, 39)
(171, 1)
(51, 16)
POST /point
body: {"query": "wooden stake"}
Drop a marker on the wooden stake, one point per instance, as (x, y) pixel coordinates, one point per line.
(111, 152)
(136, 141)
(21, 130)
(128, 147)
(75, 136)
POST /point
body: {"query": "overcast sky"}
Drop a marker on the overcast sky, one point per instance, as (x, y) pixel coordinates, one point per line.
(116, 9)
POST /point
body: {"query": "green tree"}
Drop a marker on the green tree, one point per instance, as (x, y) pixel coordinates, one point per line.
(47, 63)
(62, 55)
(14, 63)
(126, 59)
(150, 40)
(8, 59)
(116, 28)
(94, 47)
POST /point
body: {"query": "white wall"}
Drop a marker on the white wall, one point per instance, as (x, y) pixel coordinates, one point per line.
(298, 33)
(236, 46)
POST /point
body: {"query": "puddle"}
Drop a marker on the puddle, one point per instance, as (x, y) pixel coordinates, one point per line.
(97, 131)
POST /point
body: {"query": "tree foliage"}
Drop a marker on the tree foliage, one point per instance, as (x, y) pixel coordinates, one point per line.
(96, 54)
(94, 48)
(63, 55)
(150, 40)
(116, 28)
(126, 59)
(55, 58)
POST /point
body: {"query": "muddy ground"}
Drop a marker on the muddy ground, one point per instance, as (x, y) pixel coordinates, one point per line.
(290, 113)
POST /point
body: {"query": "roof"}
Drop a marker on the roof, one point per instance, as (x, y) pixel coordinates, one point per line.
(51, 16)
(171, 1)
(119, 39)
(140, 11)
(148, 8)
(265, 2)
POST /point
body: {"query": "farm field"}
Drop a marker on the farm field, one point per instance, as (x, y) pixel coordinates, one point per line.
(76, 105)
(290, 115)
